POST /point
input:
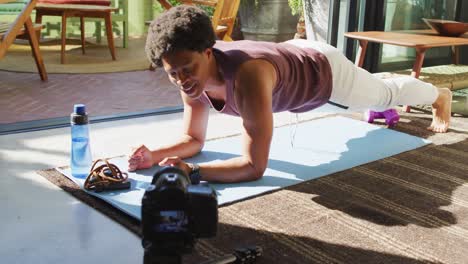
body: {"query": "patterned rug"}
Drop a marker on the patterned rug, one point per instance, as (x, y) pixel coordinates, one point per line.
(409, 208)
(450, 76)
(460, 102)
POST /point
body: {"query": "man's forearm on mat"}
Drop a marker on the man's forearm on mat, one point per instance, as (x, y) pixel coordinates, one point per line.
(237, 169)
(186, 147)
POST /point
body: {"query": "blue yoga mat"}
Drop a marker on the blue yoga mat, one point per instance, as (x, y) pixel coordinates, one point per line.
(321, 147)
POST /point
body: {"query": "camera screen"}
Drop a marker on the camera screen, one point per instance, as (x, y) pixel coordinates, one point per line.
(172, 221)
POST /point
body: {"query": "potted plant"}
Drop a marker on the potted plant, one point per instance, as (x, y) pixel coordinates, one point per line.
(297, 8)
(267, 20)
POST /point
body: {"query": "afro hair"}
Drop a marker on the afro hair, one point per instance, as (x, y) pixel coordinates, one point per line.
(183, 27)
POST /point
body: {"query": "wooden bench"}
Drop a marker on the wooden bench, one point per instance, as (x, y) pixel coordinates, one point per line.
(13, 8)
(23, 26)
(81, 11)
(4, 26)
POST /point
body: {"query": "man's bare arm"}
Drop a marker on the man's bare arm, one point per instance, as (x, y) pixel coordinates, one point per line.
(190, 143)
(254, 86)
(194, 132)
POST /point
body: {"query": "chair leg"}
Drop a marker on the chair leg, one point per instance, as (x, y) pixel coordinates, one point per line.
(64, 37)
(33, 41)
(110, 35)
(98, 31)
(82, 25)
(125, 35)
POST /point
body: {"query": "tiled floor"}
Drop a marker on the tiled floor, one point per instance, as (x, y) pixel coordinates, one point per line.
(24, 97)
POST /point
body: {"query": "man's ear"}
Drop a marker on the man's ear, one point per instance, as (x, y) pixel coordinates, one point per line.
(208, 52)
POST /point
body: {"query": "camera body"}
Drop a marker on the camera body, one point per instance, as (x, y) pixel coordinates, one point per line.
(175, 213)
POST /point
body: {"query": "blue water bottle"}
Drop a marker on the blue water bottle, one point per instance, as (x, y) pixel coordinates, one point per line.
(80, 151)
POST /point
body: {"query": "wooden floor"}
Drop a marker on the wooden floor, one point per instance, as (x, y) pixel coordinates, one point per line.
(24, 97)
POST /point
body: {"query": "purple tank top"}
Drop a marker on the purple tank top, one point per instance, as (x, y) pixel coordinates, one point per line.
(304, 78)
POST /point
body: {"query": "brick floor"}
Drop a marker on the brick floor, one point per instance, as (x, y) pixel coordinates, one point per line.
(24, 97)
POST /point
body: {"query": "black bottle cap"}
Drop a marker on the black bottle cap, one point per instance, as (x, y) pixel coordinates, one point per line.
(79, 115)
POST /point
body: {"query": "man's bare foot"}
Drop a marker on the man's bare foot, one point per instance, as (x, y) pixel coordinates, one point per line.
(441, 111)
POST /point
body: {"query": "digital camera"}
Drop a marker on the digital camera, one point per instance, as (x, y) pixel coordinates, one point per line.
(174, 214)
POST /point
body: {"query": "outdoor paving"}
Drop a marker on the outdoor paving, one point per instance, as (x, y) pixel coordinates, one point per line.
(25, 97)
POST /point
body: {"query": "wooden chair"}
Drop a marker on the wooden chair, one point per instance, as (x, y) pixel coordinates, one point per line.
(227, 18)
(22, 26)
(223, 19)
(224, 16)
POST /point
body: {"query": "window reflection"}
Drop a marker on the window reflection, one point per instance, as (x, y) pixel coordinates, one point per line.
(408, 15)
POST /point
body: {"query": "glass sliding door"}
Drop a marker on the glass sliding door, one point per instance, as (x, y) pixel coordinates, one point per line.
(408, 15)
(343, 18)
(389, 15)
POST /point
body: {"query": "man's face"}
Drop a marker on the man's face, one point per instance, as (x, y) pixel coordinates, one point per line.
(188, 70)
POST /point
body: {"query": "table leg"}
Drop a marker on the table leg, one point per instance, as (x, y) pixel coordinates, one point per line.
(420, 52)
(82, 26)
(110, 35)
(455, 55)
(33, 41)
(64, 37)
(361, 54)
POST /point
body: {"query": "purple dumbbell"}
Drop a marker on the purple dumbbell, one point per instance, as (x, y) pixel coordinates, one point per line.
(391, 116)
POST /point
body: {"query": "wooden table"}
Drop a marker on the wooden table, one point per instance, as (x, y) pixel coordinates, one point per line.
(421, 40)
(81, 11)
